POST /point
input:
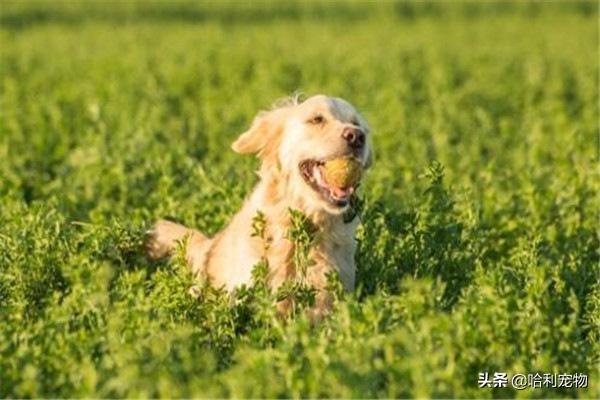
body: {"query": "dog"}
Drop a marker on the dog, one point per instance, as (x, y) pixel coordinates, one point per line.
(293, 140)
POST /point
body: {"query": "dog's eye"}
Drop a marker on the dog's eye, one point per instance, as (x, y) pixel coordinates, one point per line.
(317, 119)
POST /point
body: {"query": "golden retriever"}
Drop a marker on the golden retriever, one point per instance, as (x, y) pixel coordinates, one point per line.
(292, 140)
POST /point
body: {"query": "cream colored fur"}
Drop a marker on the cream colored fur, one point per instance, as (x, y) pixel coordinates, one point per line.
(281, 138)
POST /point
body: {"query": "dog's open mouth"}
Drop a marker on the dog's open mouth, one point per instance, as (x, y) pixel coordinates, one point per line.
(312, 172)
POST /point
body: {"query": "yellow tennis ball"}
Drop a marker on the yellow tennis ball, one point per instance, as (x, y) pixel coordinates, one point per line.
(343, 172)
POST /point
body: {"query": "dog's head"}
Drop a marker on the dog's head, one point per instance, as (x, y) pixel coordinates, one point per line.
(296, 139)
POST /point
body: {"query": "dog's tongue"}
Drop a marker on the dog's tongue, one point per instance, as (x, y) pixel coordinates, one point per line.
(341, 193)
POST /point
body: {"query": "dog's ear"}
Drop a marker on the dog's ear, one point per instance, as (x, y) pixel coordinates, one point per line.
(263, 133)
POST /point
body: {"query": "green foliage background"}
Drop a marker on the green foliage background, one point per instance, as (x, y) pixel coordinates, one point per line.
(478, 251)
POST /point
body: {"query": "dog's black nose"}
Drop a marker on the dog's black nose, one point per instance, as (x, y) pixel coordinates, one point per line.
(354, 136)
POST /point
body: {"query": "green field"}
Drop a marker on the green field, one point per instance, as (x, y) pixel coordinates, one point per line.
(478, 250)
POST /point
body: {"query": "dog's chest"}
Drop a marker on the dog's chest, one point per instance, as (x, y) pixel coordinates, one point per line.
(331, 250)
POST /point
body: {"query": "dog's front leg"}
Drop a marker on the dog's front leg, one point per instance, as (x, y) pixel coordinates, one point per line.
(317, 278)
